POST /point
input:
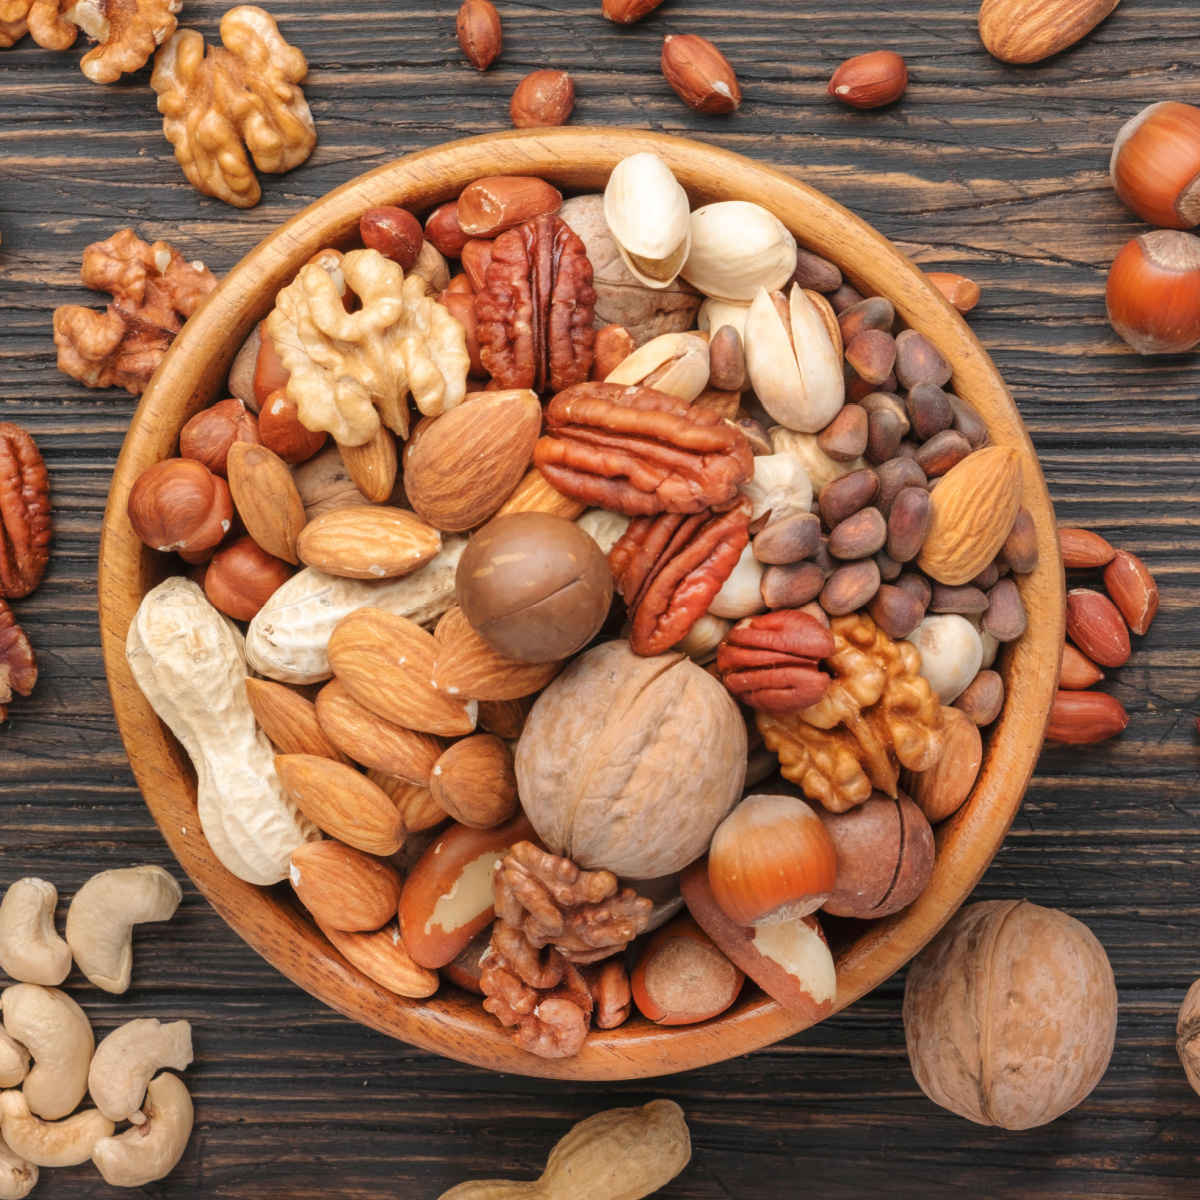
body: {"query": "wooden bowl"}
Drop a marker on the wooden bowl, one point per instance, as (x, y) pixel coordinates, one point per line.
(192, 375)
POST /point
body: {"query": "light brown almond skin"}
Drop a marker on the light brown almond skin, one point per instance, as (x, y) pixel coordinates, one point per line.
(504, 718)
(289, 720)
(474, 781)
(373, 465)
(381, 956)
(534, 494)
(1096, 626)
(1083, 550)
(1078, 671)
(365, 542)
(386, 664)
(372, 741)
(343, 887)
(462, 466)
(1026, 31)
(266, 499)
(1081, 718)
(345, 804)
(1132, 589)
(974, 506)
(467, 667)
(940, 791)
(416, 804)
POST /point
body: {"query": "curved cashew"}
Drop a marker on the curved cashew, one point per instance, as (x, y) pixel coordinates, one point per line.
(30, 948)
(50, 1143)
(128, 1058)
(150, 1150)
(17, 1177)
(14, 1061)
(57, 1033)
(103, 913)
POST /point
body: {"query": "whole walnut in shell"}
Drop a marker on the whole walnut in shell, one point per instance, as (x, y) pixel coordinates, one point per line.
(1010, 1014)
(620, 298)
(630, 763)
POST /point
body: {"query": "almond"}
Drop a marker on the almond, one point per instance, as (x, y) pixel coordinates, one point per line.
(974, 506)
(416, 804)
(460, 467)
(942, 789)
(1083, 550)
(491, 205)
(266, 498)
(368, 543)
(504, 718)
(1095, 625)
(381, 956)
(1132, 589)
(475, 782)
(534, 494)
(345, 804)
(289, 720)
(343, 887)
(1078, 671)
(466, 666)
(373, 465)
(386, 664)
(1080, 718)
(1025, 31)
(374, 742)
(447, 897)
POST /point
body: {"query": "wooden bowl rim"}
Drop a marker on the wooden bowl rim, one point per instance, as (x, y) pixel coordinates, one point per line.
(194, 368)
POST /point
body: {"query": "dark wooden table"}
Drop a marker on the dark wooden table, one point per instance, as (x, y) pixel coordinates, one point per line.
(993, 170)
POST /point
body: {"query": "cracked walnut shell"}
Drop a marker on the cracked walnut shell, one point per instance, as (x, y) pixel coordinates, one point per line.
(879, 714)
(25, 524)
(582, 914)
(154, 290)
(352, 370)
(245, 91)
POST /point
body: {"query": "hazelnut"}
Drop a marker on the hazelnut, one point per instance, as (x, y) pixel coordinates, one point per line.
(534, 586)
(681, 977)
(1155, 166)
(280, 430)
(870, 80)
(394, 232)
(270, 375)
(209, 434)
(479, 35)
(700, 74)
(179, 504)
(614, 344)
(1010, 1014)
(542, 98)
(242, 577)
(1153, 292)
(884, 856)
(771, 860)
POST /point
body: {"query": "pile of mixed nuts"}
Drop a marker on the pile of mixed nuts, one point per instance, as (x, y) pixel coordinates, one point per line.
(507, 779)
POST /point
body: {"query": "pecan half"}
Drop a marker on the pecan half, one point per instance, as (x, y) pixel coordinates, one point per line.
(552, 902)
(770, 662)
(154, 290)
(639, 451)
(534, 315)
(18, 665)
(668, 568)
(25, 526)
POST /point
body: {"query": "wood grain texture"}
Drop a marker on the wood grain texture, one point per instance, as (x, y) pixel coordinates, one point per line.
(996, 171)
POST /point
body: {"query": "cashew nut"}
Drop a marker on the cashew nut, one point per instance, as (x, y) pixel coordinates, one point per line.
(50, 1143)
(101, 918)
(128, 1058)
(30, 948)
(17, 1177)
(150, 1150)
(58, 1035)
(14, 1060)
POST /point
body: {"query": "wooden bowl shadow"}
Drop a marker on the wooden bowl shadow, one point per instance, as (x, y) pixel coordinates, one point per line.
(577, 159)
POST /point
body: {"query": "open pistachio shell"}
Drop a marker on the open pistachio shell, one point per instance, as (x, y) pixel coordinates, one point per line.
(715, 313)
(675, 363)
(794, 369)
(647, 214)
(737, 248)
